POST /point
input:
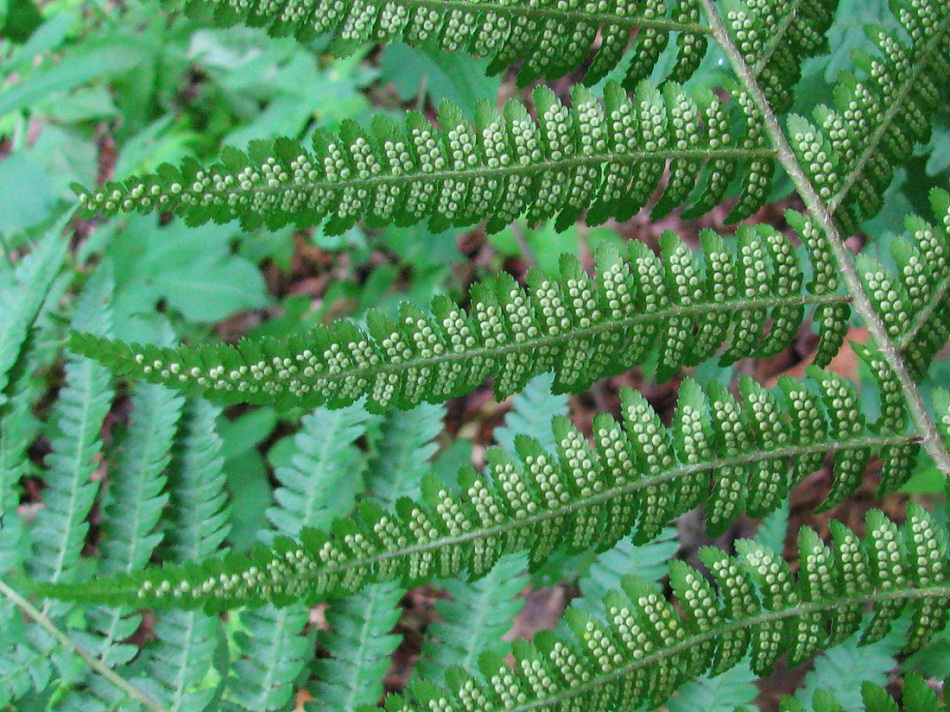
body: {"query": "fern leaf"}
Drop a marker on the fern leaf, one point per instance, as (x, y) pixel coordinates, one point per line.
(275, 650)
(479, 613)
(645, 648)
(22, 294)
(361, 647)
(878, 119)
(60, 527)
(273, 654)
(580, 328)
(475, 620)
(531, 411)
(403, 453)
(649, 562)
(917, 696)
(134, 496)
(324, 445)
(723, 693)
(362, 644)
(639, 475)
(605, 158)
(132, 507)
(197, 522)
(842, 670)
(553, 38)
(18, 430)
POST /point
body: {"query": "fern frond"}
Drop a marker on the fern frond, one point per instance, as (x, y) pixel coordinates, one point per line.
(553, 38)
(531, 411)
(325, 473)
(197, 520)
(320, 484)
(134, 496)
(403, 453)
(18, 430)
(722, 693)
(844, 668)
(273, 653)
(362, 644)
(645, 648)
(639, 475)
(475, 620)
(196, 524)
(361, 647)
(580, 328)
(132, 507)
(22, 293)
(878, 119)
(649, 560)
(60, 527)
(917, 696)
(605, 158)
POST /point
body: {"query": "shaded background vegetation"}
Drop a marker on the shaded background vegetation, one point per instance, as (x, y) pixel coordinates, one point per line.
(95, 91)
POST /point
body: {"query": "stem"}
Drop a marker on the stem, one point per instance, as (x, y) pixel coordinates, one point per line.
(42, 620)
(825, 218)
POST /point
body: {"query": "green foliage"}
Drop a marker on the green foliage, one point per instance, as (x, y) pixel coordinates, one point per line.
(637, 476)
(644, 648)
(917, 696)
(582, 328)
(134, 515)
(603, 157)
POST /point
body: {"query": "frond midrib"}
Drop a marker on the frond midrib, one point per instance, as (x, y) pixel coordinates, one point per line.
(594, 159)
(824, 605)
(922, 65)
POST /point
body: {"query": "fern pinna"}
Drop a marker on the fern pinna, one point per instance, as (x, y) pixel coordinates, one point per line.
(369, 501)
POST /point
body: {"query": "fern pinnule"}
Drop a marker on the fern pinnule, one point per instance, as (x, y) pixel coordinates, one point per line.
(644, 648)
(580, 327)
(639, 475)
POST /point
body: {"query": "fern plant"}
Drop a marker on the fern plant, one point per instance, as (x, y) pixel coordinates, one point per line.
(361, 514)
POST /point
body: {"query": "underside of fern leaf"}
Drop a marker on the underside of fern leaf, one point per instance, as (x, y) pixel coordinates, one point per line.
(604, 158)
(553, 38)
(645, 648)
(879, 115)
(636, 476)
(582, 329)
